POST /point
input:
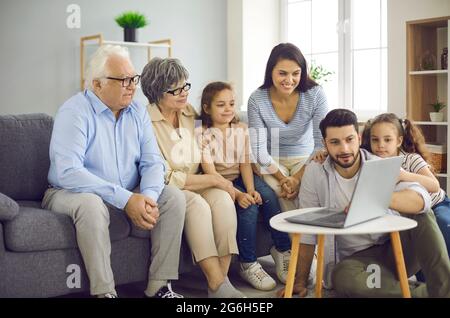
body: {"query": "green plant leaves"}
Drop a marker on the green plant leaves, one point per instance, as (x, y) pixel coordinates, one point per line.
(132, 20)
(318, 73)
(437, 106)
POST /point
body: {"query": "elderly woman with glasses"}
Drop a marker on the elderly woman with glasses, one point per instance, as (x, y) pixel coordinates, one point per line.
(210, 224)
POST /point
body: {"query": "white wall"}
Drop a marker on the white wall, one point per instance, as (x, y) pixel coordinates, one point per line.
(400, 11)
(261, 34)
(235, 47)
(40, 56)
(253, 30)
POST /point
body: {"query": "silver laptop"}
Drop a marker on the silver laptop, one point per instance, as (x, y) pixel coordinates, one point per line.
(370, 199)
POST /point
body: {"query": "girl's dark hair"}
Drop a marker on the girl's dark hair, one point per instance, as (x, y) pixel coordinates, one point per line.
(413, 139)
(288, 51)
(208, 94)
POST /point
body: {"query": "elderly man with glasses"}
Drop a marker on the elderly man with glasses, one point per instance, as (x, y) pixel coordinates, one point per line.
(104, 159)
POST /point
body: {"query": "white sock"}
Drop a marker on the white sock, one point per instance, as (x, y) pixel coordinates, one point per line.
(225, 290)
(153, 286)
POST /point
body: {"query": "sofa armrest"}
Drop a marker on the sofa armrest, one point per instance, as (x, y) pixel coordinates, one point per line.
(8, 208)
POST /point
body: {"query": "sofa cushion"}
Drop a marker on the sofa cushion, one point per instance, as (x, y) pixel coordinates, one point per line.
(30, 204)
(8, 208)
(36, 229)
(138, 232)
(24, 159)
(134, 230)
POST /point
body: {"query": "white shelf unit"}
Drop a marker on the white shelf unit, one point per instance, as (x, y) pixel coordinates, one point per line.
(429, 36)
(430, 72)
(97, 39)
(431, 123)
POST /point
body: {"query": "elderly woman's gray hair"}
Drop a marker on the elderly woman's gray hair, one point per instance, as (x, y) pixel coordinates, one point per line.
(159, 76)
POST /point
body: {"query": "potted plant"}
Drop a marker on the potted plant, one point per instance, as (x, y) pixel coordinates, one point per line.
(130, 21)
(318, 73)
(437, 107)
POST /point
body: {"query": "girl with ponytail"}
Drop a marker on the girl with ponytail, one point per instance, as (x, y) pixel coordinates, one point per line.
(386, 136)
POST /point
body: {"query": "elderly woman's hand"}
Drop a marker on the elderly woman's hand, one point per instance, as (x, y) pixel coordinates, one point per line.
(225, 185)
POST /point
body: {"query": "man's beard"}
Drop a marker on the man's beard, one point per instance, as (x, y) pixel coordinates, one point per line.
(346, 165)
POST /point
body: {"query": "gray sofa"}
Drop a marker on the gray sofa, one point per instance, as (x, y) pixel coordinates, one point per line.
(38, 246)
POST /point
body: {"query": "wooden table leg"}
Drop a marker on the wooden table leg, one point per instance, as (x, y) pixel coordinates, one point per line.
(319, 270)
(292, 266)
(400, 262)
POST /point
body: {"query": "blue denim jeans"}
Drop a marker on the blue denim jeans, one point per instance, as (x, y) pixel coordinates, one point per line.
(442, 214)
(248, 218)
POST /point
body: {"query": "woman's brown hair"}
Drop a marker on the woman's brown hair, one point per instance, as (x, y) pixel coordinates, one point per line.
(288, 51)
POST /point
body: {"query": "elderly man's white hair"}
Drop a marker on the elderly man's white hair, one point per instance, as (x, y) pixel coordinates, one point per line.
(96, 68)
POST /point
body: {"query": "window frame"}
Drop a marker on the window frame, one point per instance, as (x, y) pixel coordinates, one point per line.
(345, 56)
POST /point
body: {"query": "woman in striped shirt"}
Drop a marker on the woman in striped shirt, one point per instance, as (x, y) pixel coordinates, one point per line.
(284, 116)
(386, 136)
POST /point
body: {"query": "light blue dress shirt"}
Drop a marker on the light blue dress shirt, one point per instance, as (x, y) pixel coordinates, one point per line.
(92, 152)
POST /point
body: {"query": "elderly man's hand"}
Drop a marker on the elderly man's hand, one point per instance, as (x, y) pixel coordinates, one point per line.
(142, 211)
(152, 210)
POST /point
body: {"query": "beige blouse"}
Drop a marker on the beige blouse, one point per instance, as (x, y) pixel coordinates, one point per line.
(226, 152)
(179, 147)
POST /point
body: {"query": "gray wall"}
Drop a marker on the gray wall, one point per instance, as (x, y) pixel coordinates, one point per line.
(39, 55)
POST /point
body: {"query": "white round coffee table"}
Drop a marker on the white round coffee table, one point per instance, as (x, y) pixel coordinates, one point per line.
(386, 224)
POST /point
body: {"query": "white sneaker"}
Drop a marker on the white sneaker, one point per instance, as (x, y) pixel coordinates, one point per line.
(257, 277)
(107, 295)
(281, 263)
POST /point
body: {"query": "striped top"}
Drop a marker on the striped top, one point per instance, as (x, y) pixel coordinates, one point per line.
(272, 137)
(413, 162)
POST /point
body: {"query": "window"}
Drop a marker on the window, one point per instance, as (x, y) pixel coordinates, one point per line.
(348, 38)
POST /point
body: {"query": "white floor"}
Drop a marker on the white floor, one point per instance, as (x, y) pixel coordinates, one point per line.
(193, 285)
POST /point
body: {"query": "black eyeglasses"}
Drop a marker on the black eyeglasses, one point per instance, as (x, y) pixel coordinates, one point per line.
(126, 81)
(177, 91)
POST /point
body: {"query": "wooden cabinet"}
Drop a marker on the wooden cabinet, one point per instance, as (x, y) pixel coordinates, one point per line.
(427, 81)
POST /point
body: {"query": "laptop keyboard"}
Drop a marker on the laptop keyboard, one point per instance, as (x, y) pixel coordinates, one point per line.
(333, 218)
